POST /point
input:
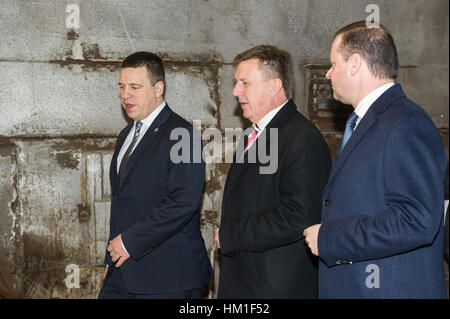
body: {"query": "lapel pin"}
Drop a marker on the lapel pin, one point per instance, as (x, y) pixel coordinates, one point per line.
(155, 130)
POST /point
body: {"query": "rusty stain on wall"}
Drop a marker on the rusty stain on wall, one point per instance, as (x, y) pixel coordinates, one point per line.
(91, 52)
(214, 184)
(84, 213)
(85, 142)
(43, 256)
(7, 279)
(72, 35)
(210, 215)
(67, 159)
(5, 147)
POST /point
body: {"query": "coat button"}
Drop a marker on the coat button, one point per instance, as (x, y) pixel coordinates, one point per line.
(326, 202)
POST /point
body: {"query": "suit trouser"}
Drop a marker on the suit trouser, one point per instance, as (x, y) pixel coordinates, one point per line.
(114, 288)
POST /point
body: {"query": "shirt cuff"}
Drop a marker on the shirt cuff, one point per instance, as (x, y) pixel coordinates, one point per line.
(123, 246)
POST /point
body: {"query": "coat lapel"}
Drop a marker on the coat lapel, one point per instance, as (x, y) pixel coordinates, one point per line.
(114, 178)
(238, 166)
(366, 123)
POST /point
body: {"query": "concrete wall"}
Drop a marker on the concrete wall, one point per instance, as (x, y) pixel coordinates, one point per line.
(60, 112)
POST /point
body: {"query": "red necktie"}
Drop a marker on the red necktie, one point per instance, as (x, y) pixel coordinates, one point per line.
(251, 137)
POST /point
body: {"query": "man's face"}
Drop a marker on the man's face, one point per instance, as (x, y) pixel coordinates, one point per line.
(138, 96)
(339, 73)
(252, 89)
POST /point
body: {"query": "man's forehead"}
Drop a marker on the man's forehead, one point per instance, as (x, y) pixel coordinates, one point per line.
(246, 68)
(134, 74)
(335, 47)
(249, 64)
(142, 70)
(336, 42)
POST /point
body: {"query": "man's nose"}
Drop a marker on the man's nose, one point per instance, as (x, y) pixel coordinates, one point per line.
(328, 74)
(237, 90)
(124, 93)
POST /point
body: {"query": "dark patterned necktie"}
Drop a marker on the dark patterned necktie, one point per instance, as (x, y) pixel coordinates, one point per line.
(129, 149)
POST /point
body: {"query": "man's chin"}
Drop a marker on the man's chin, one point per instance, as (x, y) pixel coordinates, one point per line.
(338, 98)
(132, 115)
(247, 117)
(246, 114)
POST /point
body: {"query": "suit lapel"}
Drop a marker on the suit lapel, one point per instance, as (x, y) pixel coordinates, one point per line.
(369, 119)
(152, 132)
(238, 166)
(366, 123)
(120, 140)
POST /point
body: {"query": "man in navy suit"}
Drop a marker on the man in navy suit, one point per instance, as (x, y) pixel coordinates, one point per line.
(381, 232)
(155, 248)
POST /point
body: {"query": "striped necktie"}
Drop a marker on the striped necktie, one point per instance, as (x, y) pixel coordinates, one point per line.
(129, 149)
(252, 136)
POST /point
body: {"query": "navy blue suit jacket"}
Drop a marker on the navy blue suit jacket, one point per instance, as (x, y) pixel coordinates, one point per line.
(381, 233)
(156, 209)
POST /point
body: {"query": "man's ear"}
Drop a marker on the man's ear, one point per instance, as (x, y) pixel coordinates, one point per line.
(275, 86)
(159, 88)
(356, 62)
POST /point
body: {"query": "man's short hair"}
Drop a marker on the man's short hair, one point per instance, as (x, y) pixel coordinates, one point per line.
(274, 62)
(152, 62)
(374, 44)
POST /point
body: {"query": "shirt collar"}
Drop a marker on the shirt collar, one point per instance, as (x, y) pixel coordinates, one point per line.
(152, 116)
(262, 123)
(364, 105)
